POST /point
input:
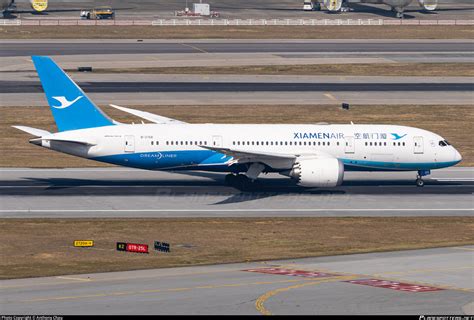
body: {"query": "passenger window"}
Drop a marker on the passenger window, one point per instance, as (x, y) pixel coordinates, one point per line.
(329, 143)
(384, 143)
(152, 143)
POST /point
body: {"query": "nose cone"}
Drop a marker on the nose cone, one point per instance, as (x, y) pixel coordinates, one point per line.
(457, 156)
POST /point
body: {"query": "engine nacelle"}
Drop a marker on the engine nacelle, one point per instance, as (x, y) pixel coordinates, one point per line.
(333, 5)
(429, 5)
(318, 172)
(39, 5)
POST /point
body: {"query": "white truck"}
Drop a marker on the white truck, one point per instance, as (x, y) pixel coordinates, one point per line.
(311, 5)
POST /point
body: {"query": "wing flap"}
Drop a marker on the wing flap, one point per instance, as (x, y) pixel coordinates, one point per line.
(273, 160)
(236, 153)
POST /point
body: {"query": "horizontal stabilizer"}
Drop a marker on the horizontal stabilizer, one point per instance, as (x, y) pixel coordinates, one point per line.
(148, 116)
(33, 131)
(70, 140)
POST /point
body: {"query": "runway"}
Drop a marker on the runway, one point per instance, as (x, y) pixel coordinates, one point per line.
(429, 281)
(112, 87)
(12, 48)
(122, 192)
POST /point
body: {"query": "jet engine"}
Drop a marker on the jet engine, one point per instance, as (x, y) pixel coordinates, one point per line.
(39, 5)
(334, 5)
(318, 172)
(429, 5)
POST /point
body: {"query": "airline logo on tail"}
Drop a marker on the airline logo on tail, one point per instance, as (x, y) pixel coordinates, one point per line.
(64, 102)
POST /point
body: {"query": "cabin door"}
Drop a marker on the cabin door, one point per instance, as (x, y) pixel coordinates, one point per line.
(418, 145)
(129, 145)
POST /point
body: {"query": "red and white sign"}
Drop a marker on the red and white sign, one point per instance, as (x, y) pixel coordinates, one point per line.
(394, 285)
(290, 272)
(136, 247)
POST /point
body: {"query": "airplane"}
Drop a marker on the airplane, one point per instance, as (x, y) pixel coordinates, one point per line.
(314, 155)
(36, 5)
(397, 6)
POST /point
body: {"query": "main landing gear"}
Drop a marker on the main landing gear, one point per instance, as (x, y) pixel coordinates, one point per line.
(419, 177)
(246, 181)
(239, 181)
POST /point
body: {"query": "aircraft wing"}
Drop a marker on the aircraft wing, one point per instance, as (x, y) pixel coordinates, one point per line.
(274, 160)
(148, 115)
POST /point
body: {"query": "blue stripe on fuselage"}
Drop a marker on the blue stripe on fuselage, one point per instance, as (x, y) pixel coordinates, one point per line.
(214, 161)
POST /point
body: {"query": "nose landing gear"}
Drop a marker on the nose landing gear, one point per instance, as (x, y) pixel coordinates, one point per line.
(419, 177)
(419, 182)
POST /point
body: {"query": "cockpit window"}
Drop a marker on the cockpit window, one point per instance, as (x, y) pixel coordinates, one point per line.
(447, 143)
(443, 143)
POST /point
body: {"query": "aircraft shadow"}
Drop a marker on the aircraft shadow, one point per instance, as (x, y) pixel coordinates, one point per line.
(216, 187)
(384, 12)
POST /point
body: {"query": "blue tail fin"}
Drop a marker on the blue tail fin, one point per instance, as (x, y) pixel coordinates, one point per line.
(70, 106)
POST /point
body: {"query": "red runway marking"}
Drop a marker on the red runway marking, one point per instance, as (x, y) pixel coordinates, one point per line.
(394, 285)
(290, 272)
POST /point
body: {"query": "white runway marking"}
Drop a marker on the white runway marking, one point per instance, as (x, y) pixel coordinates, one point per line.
(452, 179)
(230, 210)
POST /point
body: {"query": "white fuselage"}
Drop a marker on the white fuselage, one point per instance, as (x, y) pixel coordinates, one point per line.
(181, 146)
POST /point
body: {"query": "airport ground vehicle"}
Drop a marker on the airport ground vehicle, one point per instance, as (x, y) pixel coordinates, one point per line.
(311, 5)
(98, 13)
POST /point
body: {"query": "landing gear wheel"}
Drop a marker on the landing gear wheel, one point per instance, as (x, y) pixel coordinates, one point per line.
(420, 182)
(230, 179)
(239, 181)
(242, 182)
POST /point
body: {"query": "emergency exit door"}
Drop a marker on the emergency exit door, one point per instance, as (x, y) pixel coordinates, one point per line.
(418, 145)
(129, 144)
(349, 146)
(217, 141)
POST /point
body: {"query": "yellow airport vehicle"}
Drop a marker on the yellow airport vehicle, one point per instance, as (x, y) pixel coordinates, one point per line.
(98, 13)
(39, 5)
